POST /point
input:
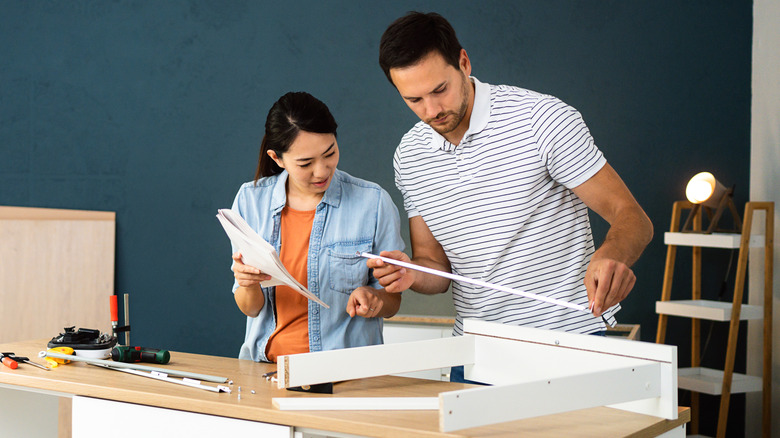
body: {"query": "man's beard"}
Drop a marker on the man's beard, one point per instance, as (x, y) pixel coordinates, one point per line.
(458, 116)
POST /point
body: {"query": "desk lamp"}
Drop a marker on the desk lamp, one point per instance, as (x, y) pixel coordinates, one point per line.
(704, 190)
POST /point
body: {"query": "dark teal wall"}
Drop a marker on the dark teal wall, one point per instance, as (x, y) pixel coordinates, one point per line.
(154, 109)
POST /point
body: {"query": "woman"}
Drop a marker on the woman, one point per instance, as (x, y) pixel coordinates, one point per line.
(318, 218)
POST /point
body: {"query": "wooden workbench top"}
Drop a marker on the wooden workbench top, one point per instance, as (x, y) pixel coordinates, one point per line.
(78, 378)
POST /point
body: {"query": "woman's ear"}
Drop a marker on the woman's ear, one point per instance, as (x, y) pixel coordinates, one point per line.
(275, 157)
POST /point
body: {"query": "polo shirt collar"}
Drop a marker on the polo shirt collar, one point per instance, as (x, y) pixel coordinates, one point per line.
(480, 114)
(279, 198)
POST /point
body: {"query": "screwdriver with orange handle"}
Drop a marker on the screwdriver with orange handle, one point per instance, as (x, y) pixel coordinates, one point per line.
(7, 361)
(16, 359)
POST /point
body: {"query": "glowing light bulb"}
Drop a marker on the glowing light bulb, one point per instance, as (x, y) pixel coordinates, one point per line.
(700, 187)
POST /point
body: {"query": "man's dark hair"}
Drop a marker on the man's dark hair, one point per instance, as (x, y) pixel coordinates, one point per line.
(292, 113)
(410, 38)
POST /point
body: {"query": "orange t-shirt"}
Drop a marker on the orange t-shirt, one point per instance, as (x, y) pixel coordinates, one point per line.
(292, 309)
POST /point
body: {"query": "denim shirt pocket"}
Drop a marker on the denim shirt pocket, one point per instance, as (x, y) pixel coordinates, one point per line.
(347, 269)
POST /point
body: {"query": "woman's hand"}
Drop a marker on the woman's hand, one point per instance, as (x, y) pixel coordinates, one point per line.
(368, 302)
(247, 276)
(249, 295)
(364, 302)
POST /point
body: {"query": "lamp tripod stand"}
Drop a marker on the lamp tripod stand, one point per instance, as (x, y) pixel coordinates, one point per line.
(725, 201)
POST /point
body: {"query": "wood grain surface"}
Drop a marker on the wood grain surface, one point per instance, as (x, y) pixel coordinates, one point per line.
(87, 380)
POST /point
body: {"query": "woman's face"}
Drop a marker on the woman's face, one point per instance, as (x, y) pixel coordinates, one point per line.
(310, 162)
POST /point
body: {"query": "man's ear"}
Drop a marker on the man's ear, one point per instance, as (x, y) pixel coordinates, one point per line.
(465, 63)
(276, 158)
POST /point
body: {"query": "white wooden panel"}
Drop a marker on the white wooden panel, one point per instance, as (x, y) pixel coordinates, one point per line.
(97, 418)
(678, 432)
(512, 356)
(395, 333)
(28, 414)
(551, 338)
(707, 309)
(503, 361)
(544, 353)
(355, 403)
(714, 240)
(710, 381)
(372, 361)
(496, 404)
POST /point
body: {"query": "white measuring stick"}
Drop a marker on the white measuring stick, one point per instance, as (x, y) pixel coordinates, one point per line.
(163, 377)
(476, 282)
(133, 366)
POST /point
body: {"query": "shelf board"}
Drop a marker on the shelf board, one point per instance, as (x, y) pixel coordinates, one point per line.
(714, 240)
(706, 309)
(709, 381)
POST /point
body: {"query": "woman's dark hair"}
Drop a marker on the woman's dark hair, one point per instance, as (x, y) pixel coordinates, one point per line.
(292, 113)
(410, 38)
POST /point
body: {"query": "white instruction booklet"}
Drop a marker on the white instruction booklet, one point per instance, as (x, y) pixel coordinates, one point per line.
(258, 253)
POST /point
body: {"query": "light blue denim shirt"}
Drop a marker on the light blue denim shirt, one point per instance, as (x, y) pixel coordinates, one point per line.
(353, 215)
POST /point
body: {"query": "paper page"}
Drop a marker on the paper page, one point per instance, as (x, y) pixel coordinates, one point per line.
(260, 254)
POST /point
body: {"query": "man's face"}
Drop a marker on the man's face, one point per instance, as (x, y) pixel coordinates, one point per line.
(437, 92)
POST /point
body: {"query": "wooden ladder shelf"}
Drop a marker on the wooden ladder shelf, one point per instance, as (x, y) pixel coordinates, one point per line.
(715, 382)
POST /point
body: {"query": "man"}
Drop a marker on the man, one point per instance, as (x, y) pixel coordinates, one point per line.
(497, 182)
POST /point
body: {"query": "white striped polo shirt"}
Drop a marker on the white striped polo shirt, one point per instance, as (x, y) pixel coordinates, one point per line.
(500, 205)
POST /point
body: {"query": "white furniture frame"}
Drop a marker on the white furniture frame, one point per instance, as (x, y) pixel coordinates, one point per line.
(533, 372)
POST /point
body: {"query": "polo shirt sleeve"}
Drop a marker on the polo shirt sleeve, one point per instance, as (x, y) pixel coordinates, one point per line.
(564, 143)
(411, 210)
(387, 236)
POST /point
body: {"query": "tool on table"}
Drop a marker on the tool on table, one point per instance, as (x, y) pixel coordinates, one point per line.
(113, 306)
(131, 354)
(164, 377)
(85, 342)
(14, 361)
(187, 378)
(115, 328)
(111, 364)
(7, 361)
(54, 362)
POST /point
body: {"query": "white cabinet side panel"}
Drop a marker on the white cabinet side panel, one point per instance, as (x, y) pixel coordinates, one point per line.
(395, 333)
(372, 361)
(495, 404)
(27, 414)
(503, 361)
(97, 418)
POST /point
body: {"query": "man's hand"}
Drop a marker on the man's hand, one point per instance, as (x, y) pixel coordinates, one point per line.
(609, 278)
(393, 278)
(608, 282)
